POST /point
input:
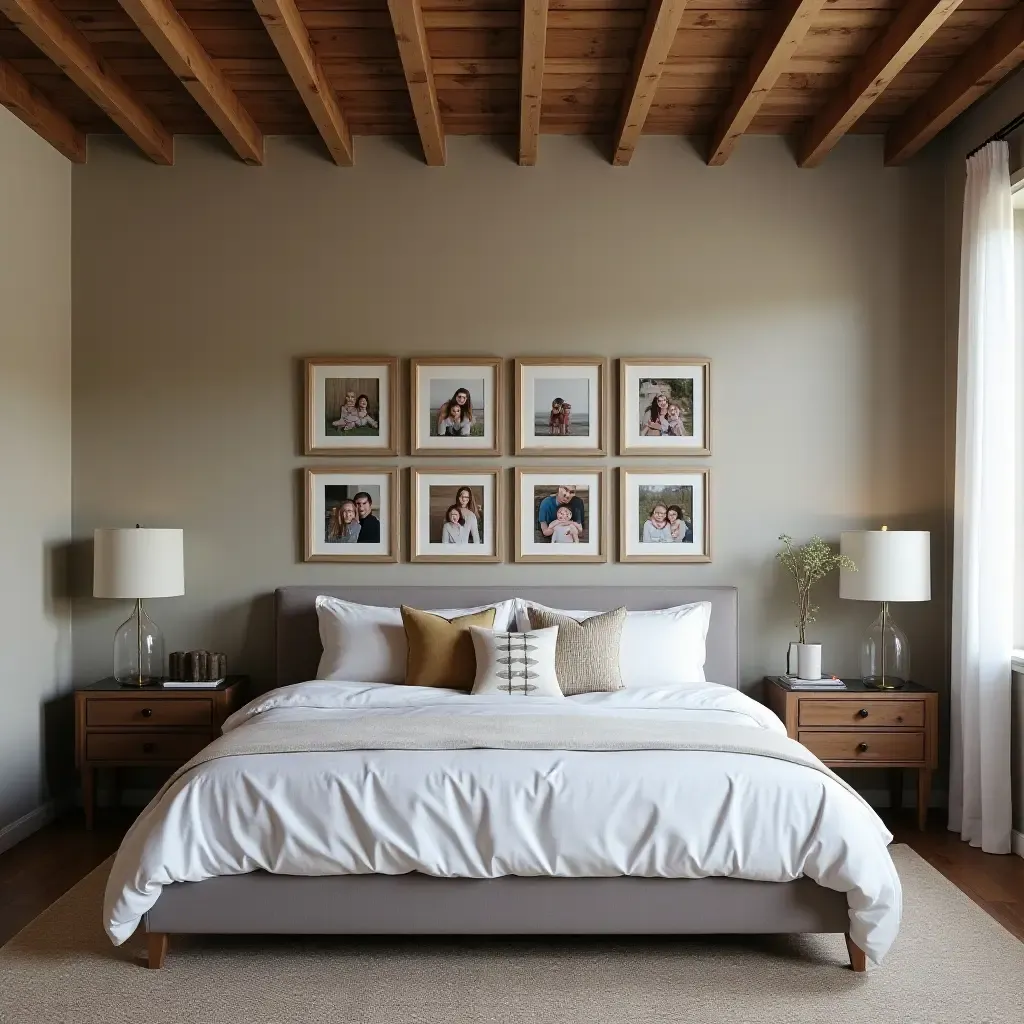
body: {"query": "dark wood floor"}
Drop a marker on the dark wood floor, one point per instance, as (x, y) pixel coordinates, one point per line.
(47, 864)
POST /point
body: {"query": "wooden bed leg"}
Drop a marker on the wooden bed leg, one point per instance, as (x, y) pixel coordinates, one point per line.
(858, 958)
(158, 950)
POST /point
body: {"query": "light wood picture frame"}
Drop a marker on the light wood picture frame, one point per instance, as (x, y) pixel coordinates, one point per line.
(336, 528)
(680, 389)
(351, 405)
(539, 493)
(479, 534)
(665, 514)
(441, 392)
(561, 405)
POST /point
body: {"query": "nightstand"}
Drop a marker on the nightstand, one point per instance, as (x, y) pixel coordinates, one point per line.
(860, 727)
(143, 727)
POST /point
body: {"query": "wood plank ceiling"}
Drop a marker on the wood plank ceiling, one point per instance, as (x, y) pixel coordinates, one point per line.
(718, 69)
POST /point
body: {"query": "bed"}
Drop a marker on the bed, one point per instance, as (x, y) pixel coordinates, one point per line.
(235, 845)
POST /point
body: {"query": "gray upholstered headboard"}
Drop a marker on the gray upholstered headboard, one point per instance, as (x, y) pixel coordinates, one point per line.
(298, 634)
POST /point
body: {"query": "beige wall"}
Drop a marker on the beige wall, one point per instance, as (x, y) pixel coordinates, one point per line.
(817, 296)
(35, 455)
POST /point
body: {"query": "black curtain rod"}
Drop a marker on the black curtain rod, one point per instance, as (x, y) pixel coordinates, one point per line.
(1000, 136)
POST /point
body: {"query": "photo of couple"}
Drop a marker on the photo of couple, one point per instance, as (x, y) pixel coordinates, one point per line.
(561, 513)
(455, 518)
(352, 406)
(352, 514)
(666, 407)
(665, 514)
(452, 409)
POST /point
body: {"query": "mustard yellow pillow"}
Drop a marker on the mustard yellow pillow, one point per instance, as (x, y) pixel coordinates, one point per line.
(441, 650)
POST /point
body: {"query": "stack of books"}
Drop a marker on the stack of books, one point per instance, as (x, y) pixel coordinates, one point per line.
(824, 683)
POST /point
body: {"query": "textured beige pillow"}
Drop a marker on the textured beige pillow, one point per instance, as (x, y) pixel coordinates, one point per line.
(440, 649)
(587, 653)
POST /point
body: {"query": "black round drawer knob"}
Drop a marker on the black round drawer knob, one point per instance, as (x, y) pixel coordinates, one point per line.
(148, 712)
(148, 748)
(863, 713)
(862, 748)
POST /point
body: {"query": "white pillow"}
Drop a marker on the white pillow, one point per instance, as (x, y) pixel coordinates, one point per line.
(663, 646)
(516, 664)
(365, 643)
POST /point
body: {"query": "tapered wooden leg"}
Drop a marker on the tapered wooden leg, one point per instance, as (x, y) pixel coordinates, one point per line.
(157, 950)
(924, 796)
(858, 958)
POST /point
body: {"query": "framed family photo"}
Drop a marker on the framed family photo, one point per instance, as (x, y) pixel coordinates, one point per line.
(664, 515)
(456, 406)
(456, 516)
(351, 514)
(560, 515)
(665, 406)
(351, 406)
(560, 406)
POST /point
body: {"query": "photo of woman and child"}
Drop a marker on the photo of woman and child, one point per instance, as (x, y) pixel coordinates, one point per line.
(352, 406)
(350, 515)
(666, 407)
(666, 515)
(561, 514)
(452, 412)
(458, 521)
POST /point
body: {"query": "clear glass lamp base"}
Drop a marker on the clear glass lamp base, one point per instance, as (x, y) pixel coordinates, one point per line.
(139, 650)
(885, 654)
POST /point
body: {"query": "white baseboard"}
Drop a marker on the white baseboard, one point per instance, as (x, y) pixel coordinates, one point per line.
(11, 835)
(1017, 842)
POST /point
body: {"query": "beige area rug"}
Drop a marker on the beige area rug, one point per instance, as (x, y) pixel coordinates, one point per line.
(952, 963)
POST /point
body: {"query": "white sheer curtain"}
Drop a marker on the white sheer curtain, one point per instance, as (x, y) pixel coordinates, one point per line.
(983, 518)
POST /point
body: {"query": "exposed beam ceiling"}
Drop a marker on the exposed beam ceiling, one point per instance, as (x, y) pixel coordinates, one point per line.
(776, 46)
(32, 107)
(54, 34)
(887, 56)
(531, 77)
(656, 40)
(168, 34)
(288, 33)
(407, 19)
(992, 58)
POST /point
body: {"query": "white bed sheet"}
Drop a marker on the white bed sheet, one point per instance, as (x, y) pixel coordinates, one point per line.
(488, 813)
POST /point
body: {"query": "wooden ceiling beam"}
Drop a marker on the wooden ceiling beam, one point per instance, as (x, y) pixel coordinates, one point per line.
(168, 34)
(887, 56)
(54, 34)
(775, 48)
(407, 19)
(990, 59)
(29, 105)
(659, 32)
(288, 33)
(534, 39)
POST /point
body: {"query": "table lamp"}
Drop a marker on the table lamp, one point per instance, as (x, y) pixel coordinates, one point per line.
(892, 565)
(138, 564)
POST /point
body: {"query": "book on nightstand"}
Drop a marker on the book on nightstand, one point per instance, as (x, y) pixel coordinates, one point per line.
(826, 682)
(192, 684)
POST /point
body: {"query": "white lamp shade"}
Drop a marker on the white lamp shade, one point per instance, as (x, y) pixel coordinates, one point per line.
(138, 563)
(892, 565)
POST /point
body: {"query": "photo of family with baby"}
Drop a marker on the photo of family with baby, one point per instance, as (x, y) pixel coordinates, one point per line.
(561, 513)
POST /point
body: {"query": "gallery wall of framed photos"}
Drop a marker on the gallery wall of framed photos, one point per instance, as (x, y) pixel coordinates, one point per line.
(559, 506)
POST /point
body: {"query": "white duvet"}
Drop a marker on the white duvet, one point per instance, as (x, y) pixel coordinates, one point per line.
(486, 813)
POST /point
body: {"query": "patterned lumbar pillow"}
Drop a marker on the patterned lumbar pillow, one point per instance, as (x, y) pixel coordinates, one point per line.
(516, 664)
(587, 653)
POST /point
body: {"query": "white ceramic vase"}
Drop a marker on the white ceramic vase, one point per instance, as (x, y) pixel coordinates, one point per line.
(808, 661)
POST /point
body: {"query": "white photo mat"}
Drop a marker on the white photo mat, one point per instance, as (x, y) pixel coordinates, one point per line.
(535, 379)
(528, 549)
(458, 374)
(318, 372)
(632, 547)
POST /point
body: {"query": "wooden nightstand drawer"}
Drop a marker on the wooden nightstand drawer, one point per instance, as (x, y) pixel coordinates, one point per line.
(882, 714)
(142, 746)
(141, 712)
(847, 745)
